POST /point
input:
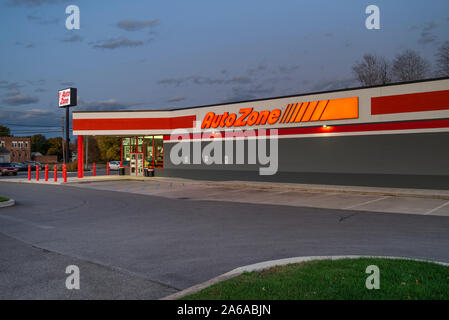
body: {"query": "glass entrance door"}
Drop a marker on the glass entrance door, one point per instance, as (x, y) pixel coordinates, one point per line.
(139, 164)
(136, 164)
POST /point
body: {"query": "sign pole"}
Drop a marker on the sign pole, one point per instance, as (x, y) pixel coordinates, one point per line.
(67, 98)
(67, 140)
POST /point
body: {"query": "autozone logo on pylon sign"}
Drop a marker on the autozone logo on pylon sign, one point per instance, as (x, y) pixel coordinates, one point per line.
(334, 109)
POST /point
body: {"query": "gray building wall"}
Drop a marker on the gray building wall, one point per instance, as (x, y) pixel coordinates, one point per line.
(400, 160)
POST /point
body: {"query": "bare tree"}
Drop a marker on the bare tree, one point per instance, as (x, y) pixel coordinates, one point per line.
(409, 66)
(443, 60)
(372, 70)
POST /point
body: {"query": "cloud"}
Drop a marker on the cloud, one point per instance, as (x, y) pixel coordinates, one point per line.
(200, 80)
(42, 21)
(426, 38)
(288, 69)
(9, 85)
(33, 3)
(249, 93)
(176, 99)
(121, 42)
(135, 25)
(110, 104)
(67, 83)
(171, 81)
(426, 35)
(429, 26)
(334, 84)
(15, 98)
(73, 38)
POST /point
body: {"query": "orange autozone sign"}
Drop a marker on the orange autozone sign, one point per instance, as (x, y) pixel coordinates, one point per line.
(333, 109)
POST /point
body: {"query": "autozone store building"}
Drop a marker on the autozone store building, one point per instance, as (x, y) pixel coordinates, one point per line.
(393, 135)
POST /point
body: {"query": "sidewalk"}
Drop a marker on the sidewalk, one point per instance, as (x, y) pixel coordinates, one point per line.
(391, 200)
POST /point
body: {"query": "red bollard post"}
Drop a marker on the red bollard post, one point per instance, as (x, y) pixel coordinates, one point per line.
(93, 171)
(56, 173)
(29, 172)
(37, 173)
(46, 172)
(64, 172)
(107, 168)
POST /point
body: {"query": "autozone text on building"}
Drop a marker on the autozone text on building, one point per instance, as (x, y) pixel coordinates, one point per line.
(322, 110)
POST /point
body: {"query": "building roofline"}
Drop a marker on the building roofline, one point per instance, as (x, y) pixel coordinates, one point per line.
(272, 98)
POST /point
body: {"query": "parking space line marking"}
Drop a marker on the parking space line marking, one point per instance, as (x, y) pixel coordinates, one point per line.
(366, 202)
(437, 208)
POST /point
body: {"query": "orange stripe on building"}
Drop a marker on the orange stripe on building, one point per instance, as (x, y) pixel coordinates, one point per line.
(292, 111)
(309, 111)
(285, 113)
(319, 110)
(301, 111)
(295, 112)
(345, 108)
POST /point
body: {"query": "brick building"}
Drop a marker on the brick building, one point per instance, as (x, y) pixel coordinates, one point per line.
(19, 148)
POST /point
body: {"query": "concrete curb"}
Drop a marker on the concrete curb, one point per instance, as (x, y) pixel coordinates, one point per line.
(8, 203)
(281, 262)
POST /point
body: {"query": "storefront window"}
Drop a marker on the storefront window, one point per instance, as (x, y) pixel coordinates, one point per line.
(152, 148)
(126, 148)
(158, 151)
(148, 151)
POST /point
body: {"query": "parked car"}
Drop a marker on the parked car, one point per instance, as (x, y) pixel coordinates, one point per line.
(19, 166)
(7, 168)
(114, 165)
(33, 165)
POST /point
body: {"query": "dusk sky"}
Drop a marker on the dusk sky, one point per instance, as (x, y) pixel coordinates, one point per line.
(164, 54)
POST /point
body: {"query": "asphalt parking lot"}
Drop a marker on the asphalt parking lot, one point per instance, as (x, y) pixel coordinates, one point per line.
(162, 245)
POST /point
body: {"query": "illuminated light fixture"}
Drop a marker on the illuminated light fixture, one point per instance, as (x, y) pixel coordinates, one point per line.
(324, 125)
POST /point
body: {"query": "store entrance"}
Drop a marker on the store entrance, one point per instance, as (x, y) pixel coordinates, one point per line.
(142, 153)
(136, 164)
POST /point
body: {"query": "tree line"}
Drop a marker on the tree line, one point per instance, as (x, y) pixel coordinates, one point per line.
(406, 66)
(100, 148)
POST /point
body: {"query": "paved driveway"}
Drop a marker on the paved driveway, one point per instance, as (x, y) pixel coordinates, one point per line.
(181, 242)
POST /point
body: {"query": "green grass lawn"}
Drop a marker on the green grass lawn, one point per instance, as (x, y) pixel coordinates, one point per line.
(339, 279)
(3, 199)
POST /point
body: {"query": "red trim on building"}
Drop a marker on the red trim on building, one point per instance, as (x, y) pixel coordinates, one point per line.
(134, 123)
(381, 126)
(413, 102)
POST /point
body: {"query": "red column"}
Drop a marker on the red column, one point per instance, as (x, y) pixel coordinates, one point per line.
(107, 168)
(37, 172)
(94, 171)
(80, 157)
(46, 172)
(56, 173)
(29, 172)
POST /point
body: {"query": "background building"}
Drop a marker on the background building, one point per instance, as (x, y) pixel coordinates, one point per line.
(19, 148)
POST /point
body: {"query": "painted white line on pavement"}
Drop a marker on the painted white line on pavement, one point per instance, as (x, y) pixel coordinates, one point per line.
(437, 208)
(366, 202)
